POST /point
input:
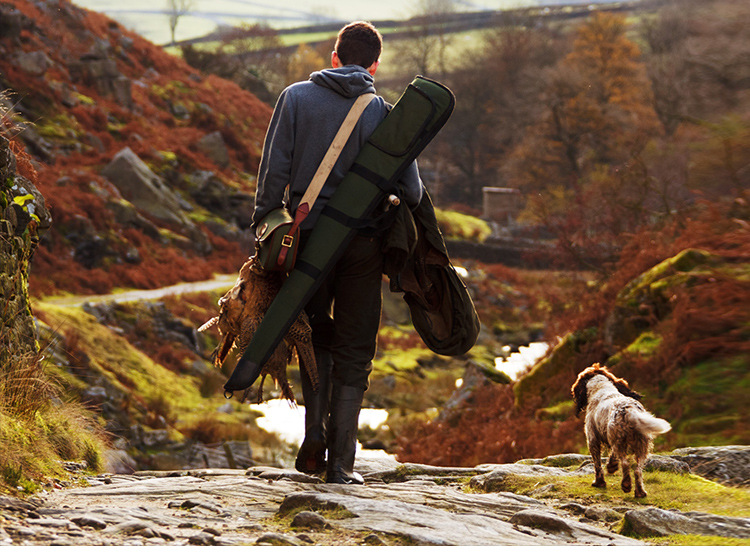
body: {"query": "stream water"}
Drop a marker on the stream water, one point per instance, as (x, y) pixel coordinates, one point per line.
(513, 364)
(287, 421)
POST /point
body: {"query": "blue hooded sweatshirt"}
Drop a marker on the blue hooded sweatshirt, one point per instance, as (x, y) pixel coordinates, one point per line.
(306, 118)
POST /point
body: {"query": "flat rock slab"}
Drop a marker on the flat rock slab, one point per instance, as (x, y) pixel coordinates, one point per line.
(728, 464)
(658, 522)
(258, 507)
(450, 517)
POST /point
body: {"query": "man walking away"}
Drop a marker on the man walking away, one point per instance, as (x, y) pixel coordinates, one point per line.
(345, 311)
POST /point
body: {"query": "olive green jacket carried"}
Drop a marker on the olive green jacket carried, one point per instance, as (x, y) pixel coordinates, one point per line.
(418, 265)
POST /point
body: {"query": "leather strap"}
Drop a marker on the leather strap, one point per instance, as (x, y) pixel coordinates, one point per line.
(326, 165)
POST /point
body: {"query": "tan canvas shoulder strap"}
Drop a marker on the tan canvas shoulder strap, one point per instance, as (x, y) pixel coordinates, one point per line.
(339, 141)
(324, 169)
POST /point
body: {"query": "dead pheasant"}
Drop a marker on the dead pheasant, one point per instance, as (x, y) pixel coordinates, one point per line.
(241, 310)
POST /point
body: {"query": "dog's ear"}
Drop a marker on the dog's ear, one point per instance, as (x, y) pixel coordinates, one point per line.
(579, 392)
(621, 384)
(623, 387)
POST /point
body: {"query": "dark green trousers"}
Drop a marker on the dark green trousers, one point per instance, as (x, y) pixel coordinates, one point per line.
(345, 311)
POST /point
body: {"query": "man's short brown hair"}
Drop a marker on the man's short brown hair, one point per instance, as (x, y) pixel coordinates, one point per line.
(359, 43)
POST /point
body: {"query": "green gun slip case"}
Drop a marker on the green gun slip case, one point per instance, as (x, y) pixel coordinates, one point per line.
(412, 123)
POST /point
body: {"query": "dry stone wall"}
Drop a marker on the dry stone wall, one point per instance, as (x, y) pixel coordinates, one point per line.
(23, 216)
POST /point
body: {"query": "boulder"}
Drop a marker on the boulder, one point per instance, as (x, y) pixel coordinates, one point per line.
(543, 520)
(12, 21)
(127, 215)
(560, 461)
(728, 464)
(602, 513)
(37, 145)
(278, 539)
(126, 43)
(179, 110)
(666, 464)
(95, 395)
(647, 296)
(214, 147)
(142, 187)
(98, 70)
(228, 203)
(659, 522)
(120, 88)
(473, 379)
(117, 461)
(192, 455)
(499, 475)
(35, 63)
(309, 520)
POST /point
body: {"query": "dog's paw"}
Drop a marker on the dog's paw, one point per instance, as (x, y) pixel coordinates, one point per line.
(639, 494)
(599, 483)
(626, 486)
(612, 466)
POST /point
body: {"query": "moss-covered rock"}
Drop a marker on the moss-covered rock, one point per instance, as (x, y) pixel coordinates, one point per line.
(707, 403)
(37, 430)
(645, 300)
(561, 411)
(539, 383)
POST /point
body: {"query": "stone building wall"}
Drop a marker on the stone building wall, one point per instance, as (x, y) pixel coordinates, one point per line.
(501, 205)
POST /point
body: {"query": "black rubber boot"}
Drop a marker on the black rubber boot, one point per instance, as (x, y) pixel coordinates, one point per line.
(311, 457)
(346, 403)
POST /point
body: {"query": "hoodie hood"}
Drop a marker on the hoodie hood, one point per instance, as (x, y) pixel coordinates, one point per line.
(348, 81)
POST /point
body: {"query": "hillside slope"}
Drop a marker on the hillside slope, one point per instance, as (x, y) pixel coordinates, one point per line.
(87, 92)
(672, 320)
(147, 169)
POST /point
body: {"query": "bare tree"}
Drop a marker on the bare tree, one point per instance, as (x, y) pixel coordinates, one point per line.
(175, 10)
(428, 41)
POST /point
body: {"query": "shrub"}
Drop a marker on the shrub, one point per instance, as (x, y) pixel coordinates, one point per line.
(487, 428)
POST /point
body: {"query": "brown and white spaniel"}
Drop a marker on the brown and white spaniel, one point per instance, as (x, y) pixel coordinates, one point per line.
(615, 418)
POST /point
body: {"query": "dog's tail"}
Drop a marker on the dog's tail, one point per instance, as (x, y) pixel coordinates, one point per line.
(648, 424)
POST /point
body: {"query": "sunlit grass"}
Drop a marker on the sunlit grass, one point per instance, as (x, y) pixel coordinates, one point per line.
(120, 363)
(189, 404)
(464, 227)
(38, 431)
(665, 490)
(695, 540)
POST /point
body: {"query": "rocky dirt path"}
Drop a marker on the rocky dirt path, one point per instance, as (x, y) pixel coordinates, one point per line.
(219, 282)
(400, 505)
(278, 507)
